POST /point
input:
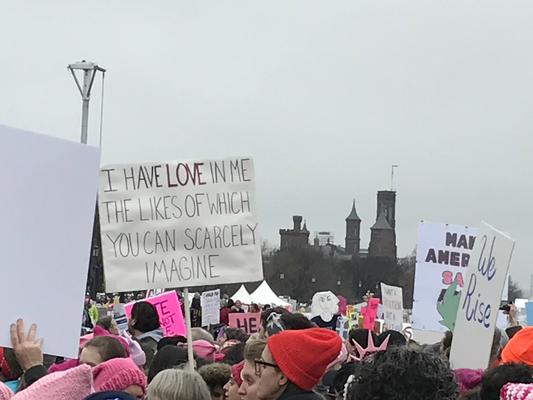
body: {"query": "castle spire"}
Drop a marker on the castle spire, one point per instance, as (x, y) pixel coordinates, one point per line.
(353, 214)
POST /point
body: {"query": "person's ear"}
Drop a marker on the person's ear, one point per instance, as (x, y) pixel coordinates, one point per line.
(283, 381)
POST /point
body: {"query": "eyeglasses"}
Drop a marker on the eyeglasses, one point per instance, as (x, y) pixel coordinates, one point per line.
(260, 365)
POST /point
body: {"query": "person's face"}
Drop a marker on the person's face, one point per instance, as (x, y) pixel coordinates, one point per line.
(250, 381)
(272, 382)
(232, 390)
(238, 304)
(90, 356)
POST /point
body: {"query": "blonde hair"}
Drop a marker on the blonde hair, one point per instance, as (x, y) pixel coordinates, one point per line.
(254, 349)
(176, 384)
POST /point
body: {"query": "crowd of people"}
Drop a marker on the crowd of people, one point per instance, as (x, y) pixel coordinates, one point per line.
(290, 358)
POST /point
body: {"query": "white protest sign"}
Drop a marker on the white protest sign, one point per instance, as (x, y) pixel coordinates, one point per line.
(47, 206)
(392, 299)
(179, 224)
(480, 299)
(442, 255)
(210, 307)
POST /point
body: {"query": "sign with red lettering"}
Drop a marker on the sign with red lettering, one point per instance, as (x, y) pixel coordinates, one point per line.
(480, 299)
(169, 310)
(179, 224)
(248, 322)
(442, 256)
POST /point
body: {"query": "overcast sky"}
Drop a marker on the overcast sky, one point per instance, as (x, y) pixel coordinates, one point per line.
(325, 96)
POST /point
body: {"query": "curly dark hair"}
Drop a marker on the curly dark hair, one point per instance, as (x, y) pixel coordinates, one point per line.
(402, 373)
(496, 378)
(236, 334)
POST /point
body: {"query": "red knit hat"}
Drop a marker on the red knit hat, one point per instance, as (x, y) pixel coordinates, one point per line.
(304, 355)
(118, 374)
(520, 348)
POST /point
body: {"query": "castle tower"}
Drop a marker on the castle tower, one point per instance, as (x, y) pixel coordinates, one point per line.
(296, 237)
(387, 206)
(353, 232)
(382, 239)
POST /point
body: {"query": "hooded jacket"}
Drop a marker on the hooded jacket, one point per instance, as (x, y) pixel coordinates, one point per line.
(148, 343)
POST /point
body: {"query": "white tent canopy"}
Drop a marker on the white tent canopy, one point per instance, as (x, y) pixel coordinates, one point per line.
(265, 295)
(242, 295)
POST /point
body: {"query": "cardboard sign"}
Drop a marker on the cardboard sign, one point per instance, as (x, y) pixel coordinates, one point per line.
(392, 299)
(370, 313)
(47, 204)
(442, 256)
(179, 224)
(480, 299)
(248, 322)
(211, 307)
(169, 311)
(343, 327)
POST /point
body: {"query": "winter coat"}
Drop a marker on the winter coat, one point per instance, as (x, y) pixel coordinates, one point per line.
(294, 393)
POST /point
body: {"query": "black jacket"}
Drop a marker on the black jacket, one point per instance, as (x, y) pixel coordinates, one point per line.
(295, 393)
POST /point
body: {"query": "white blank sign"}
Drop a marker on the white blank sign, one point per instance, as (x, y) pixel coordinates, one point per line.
(47, 203)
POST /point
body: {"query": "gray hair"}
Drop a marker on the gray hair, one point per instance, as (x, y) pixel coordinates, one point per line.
(176, 384)
(202, 334)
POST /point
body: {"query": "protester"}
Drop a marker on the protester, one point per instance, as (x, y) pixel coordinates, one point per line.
(174, 384)
(233, 354)
(294, 362)
(286, 321)
(145, 327)
(232, 387)
(120, 374)
(237, 307)
(101, 349)
(234, 334)
(520, 348)
(495, 379)
(359, 336)
(216, 376)
(264, 319)
(206, 351)
(167, 357)
(73, 384)
(250, 381)
(401, 373)
(201, 334)
(196, 311)
(254, 308)
(109, 324)
(225, 312)
(172, 341)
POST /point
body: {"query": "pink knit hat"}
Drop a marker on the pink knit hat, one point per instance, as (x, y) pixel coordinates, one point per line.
(5, 392)
(517, 391)
(74, 384)
(118, 374)
(204, 349)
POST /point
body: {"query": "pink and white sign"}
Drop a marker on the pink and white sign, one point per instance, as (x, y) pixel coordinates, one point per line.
(370, 313)
(169, 310)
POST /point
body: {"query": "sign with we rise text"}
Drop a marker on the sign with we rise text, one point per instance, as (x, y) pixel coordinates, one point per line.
(480, 299)
(179, 224)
